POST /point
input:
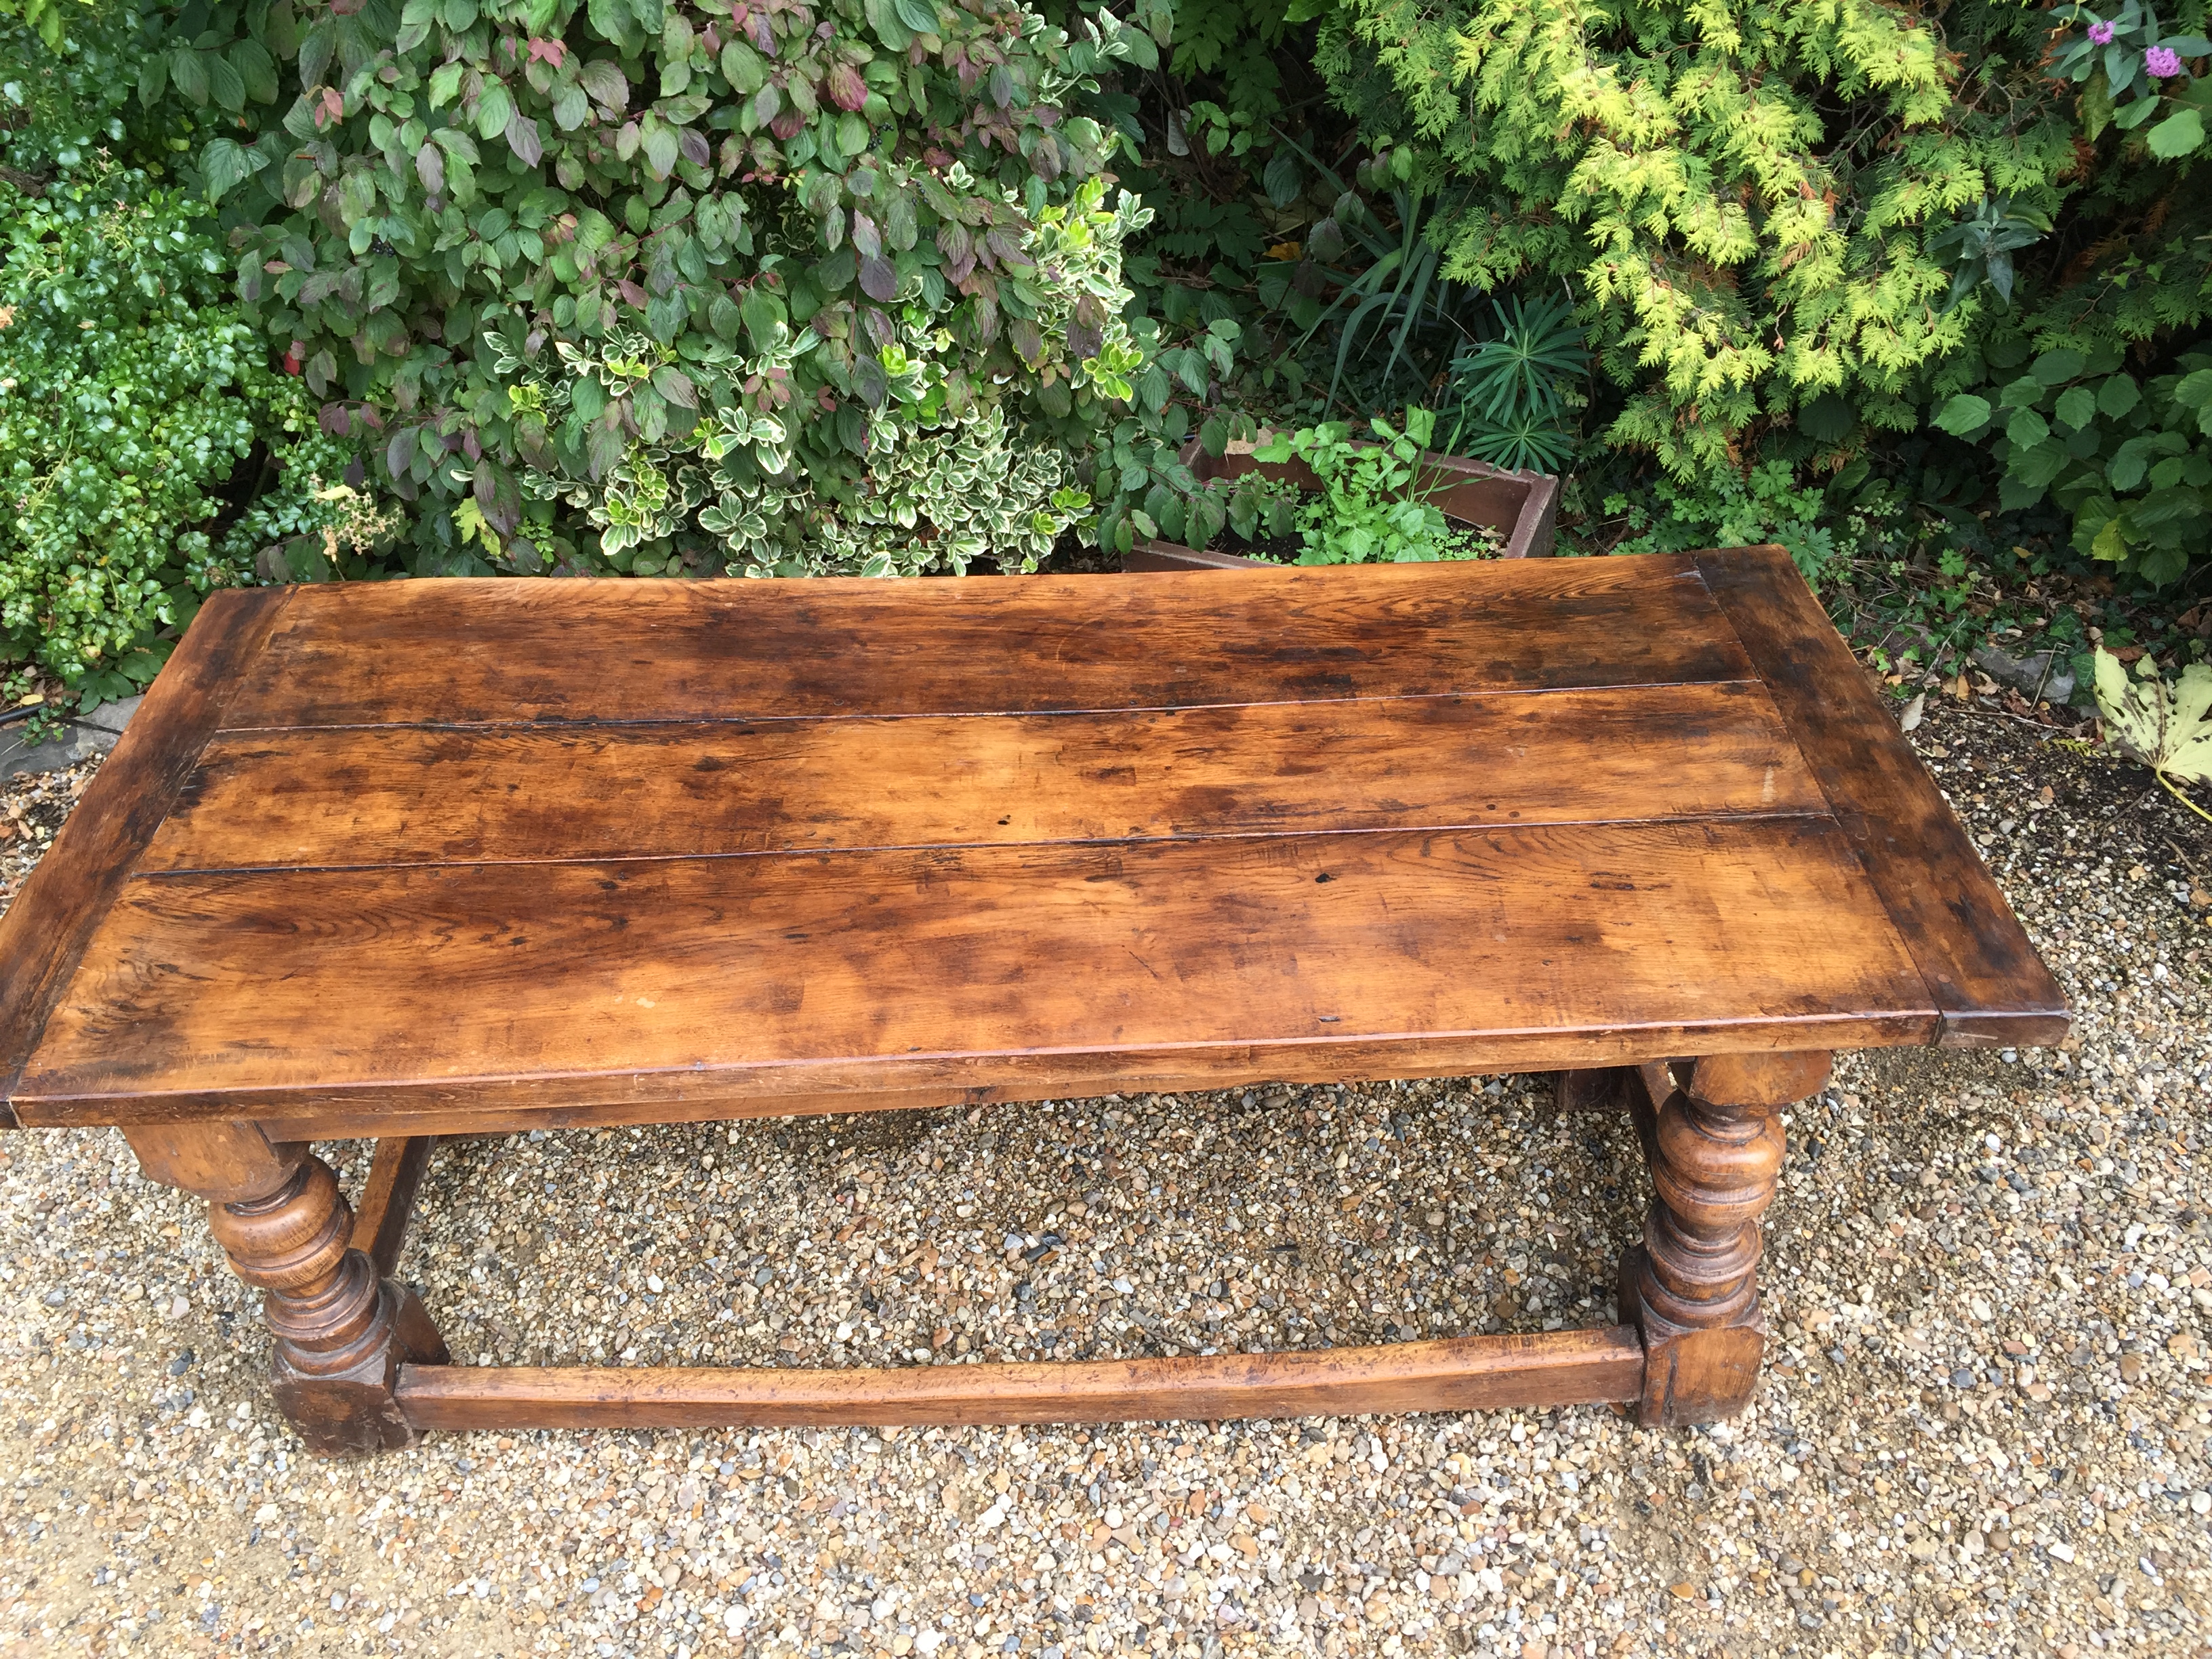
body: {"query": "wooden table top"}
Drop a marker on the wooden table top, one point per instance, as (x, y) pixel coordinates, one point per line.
(384, 855)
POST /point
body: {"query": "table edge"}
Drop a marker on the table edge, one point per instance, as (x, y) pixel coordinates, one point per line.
(1827, 708)
(45, 932)
(755, 1089)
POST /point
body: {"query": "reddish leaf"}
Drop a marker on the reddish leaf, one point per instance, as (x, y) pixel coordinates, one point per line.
(959, 250)
(1087, 329)
(845, 87)
(604, 80)
(399, 453)
(522, 138)
(878, 279)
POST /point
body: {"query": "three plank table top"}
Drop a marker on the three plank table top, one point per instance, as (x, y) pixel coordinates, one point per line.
(407, 858)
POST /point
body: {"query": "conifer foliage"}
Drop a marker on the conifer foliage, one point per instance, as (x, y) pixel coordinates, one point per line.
(1743, 191)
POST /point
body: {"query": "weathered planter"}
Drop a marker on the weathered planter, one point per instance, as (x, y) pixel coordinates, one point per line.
(1524, 505)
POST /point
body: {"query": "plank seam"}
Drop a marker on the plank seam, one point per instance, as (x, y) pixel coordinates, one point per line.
(825, 718)
(1521, 828)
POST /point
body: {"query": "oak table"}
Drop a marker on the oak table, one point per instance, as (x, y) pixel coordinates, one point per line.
(424, 857)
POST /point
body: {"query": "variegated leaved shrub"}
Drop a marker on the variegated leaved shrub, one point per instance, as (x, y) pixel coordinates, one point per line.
(657, 287)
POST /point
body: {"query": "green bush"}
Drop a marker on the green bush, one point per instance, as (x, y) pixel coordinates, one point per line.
(2087, 395)
(659, 291)
(1739, 194)
(1370, 508)
(2127, 458)
(129, 393)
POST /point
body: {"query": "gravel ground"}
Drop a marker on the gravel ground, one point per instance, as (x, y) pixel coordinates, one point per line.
(1983, 1429)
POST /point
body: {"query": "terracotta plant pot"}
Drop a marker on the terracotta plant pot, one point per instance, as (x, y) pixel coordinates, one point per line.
(1523, 505)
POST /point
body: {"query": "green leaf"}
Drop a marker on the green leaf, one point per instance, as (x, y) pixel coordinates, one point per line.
(2057, 367)
(256, 68)
(316, 46)
(188, 70)
(1138, 48)
(2128, 463)
(2026, 428)
(603, 78)
(743, 68)
(225, 163)
(1965, 416)
(2195, 389)
(2180, 134)
(2038, 466)
(356, 195)
(2174, 503)
(764, 315)
(2131, 115)
(495, 108)
(2118, 395)
(675, 385)
(2077, 407)
(660, 143)
(918, 15)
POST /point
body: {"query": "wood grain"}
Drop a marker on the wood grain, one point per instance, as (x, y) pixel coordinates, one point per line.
(222, 1162)
(505, 651)
(46, 926)
(387, 1199)
(296, 991)
(1691, 1286)
(355, 797)
(1553, 1368)
(1980, 969)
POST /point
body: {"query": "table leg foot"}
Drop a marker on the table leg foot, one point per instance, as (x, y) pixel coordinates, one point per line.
(341, 1332)
(1691, 1286)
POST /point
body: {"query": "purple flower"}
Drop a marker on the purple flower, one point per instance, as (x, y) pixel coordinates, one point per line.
(2161, 62)
(2100, 34)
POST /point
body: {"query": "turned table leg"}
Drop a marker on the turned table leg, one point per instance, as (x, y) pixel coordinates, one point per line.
(341, 1334)
(1714, 1142)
